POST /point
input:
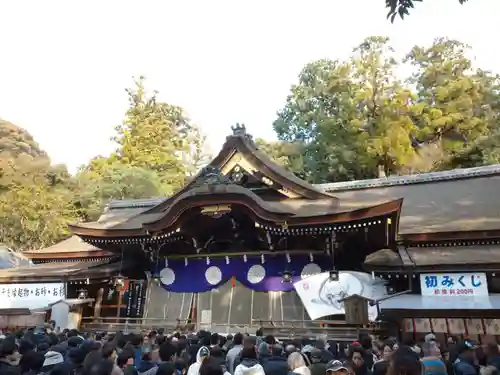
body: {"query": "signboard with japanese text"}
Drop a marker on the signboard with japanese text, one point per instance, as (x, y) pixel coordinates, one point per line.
(30, 296)
(454, 284)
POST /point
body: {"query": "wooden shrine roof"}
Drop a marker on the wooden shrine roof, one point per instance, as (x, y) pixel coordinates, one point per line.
(451, 205)
(437, 258)
(240, 149)
(216, 184)
(292, 211)
(459, 201)
(57, 271)
(463, 201)
(420, 193)
(66, 249)
(383, 258)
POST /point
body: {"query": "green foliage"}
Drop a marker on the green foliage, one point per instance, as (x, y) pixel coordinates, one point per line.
(285, 154)
(154, 135)
(35, 215)
(20, 156)
(358, 119)
(402, 7)
(35, 203)
(158, 148)
(196, 155)
(343, 120)
(116, 181)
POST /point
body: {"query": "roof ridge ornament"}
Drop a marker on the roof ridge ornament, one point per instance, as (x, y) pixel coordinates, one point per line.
(240, 130)
(211, 176)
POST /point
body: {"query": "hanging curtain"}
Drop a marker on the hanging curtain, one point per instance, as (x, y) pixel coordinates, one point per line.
(255, 272)
(168, 306)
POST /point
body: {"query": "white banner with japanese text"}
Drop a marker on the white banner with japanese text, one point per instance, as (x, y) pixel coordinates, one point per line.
(454, 284)
(30, 296)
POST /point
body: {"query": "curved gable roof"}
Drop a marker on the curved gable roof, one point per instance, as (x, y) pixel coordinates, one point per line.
(240, 145)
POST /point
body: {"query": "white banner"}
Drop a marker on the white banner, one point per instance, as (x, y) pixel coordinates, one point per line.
(30, 296)
(454, 284)
(321, 296)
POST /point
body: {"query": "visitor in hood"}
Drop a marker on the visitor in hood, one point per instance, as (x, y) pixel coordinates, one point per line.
(203, 353)
(249, 364)
(297, 364)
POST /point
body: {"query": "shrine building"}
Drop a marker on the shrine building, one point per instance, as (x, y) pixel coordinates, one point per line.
(225, 251)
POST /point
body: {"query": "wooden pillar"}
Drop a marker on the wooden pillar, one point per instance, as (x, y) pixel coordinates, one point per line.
(119, 305)
(121, 292)
(98, 303)
(149, 287)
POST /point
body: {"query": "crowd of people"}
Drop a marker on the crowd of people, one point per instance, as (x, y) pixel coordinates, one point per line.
(44, 352)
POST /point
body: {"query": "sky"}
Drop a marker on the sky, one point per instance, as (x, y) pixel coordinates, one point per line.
(64, 64)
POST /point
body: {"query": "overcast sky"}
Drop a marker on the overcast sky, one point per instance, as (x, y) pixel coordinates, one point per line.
(64, 64)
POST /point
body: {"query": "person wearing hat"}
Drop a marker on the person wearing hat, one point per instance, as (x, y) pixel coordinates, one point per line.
(317, 367)
(464, 365)
(432, 361)
(430, 337)
(335, 367)
(52, 359)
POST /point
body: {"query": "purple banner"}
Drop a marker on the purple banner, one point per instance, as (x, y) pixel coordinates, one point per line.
(260, 273)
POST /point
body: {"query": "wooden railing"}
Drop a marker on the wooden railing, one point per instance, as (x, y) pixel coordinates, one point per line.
(336, 330)
(129, 324)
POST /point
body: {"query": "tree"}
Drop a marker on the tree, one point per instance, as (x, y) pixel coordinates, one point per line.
(115, 181)
(154, 135)
(35, 202)
(158, 149)
(317, 115)
(402, 7)
(286, 154)
(20, 156)
(459, 104)
(354, 116)
(196, 155)
(359, 119)
(35, 215)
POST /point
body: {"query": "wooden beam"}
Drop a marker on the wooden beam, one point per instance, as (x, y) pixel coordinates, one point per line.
(405, 257)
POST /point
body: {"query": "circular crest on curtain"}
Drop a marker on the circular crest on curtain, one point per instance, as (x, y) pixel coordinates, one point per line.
(256, 274)
(197, 276)
(167, 276)
(213, 275)
(310, 269)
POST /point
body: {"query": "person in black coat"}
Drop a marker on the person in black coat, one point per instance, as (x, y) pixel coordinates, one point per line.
(276, 364)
